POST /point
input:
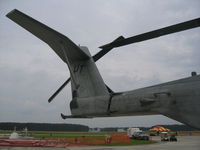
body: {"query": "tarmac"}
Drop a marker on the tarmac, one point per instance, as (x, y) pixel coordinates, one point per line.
(183, 143)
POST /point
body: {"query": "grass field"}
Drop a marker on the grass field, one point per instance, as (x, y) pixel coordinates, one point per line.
(79, 135)
(62, 134)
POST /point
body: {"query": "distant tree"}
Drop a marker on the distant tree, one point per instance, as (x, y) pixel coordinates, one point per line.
(43, 126)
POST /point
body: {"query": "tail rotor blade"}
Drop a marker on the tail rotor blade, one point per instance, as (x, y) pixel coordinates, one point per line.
(56, 93)
(106, 50)
(148, 35)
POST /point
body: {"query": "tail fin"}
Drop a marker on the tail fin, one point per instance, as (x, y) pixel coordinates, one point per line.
(85, 77)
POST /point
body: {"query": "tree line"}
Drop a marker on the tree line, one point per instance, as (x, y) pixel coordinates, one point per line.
(43, 126)
(171, 127)
(77, 127)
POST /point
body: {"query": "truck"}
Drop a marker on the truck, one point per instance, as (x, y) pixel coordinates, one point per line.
(164, 136)
(168, 136)
(137, 134)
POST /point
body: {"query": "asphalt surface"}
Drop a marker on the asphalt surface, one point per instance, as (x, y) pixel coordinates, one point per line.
(184, 143)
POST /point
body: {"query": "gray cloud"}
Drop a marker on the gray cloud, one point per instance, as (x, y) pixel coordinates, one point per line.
(31, 71)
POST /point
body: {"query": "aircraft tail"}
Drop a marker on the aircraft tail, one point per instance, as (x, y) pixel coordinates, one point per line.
(85, 77)
(89, 92)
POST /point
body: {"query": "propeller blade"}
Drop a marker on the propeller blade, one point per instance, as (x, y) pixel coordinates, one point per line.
(152, 34)
(101, 53)
(56, 93)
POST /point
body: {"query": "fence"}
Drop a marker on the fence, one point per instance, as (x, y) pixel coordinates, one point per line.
(64, 142)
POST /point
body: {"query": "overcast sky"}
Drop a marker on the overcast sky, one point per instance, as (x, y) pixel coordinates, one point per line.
(30, 71)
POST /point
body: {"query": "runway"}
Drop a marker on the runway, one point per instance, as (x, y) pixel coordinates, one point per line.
(184, 143)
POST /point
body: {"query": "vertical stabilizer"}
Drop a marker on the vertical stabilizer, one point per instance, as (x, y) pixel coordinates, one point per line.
(87, 79)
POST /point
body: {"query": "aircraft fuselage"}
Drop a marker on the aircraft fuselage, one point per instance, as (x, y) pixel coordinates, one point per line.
(179, 100)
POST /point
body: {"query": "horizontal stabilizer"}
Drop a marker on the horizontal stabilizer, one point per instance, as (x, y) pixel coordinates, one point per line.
(57, 41)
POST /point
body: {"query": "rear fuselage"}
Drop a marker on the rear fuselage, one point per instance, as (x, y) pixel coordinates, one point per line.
(179, 100)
